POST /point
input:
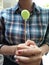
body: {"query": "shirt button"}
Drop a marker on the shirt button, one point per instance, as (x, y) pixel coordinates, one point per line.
(25, 32)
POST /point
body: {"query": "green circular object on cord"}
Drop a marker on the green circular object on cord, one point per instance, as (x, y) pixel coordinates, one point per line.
(25, 14)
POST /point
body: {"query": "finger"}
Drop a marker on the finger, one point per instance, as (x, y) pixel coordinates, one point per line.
(21, 63)
(29, 42)
(29, 59)
(29, 52)
(33, 63)
(22, 59)
(22, 46)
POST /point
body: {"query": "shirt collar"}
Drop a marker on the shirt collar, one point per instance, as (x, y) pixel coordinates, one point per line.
(35, 8)
(17, 9)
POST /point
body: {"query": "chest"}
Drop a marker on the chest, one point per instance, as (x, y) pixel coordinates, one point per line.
(36, 28)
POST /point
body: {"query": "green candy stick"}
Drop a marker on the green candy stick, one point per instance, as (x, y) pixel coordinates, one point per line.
(25, 14)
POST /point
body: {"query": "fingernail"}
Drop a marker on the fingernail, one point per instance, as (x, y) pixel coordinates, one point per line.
(19, 51)
(17, 60)
(14, 56)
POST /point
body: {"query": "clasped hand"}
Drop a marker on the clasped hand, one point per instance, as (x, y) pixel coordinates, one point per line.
(28, 54)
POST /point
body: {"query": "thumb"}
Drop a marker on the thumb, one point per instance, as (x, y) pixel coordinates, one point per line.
(29, 42)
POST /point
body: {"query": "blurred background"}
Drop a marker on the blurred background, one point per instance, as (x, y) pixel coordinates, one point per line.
(10, 3)
(7, 3)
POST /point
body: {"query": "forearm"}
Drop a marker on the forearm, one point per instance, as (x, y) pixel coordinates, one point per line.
(44, 48)
(8, 50)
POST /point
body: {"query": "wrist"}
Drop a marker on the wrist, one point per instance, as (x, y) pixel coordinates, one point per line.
(14, 49)
(8, 50)
(44, 49)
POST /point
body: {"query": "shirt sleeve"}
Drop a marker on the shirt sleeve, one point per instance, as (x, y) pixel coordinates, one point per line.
(46, 40)
(1, 28)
